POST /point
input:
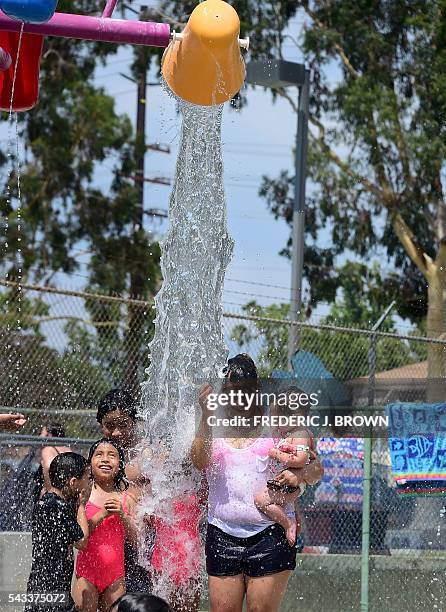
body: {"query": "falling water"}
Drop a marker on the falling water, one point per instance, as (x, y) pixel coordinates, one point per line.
(13, 168)
(16, 490)
(188, 345)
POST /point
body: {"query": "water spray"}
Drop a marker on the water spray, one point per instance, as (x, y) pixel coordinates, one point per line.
(202, 68)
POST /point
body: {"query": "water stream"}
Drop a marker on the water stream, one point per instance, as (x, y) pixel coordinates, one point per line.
(13, 173)
(188, 345)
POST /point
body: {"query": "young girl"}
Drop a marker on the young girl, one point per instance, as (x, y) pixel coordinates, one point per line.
(117, 417)
(177, 552)
(100, 567)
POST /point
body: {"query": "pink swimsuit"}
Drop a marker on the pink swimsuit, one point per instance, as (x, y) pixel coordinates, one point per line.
(177, 550)
(102, 561)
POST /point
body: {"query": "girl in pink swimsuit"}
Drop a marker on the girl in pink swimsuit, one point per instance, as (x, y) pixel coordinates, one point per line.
(100, 567)
(177, 554)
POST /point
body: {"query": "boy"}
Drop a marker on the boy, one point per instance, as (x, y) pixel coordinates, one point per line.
(55, 530)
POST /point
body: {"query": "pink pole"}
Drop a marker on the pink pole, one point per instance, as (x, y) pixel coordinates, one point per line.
(109, 8)
(95, 28)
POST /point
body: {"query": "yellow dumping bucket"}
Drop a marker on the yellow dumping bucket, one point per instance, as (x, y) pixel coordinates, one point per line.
(203, 65)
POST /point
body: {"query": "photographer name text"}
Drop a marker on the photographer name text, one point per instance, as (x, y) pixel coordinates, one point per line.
(296, 421)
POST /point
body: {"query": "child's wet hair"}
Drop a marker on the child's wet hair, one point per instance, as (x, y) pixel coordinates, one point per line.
(121, 482)
(240, 367)
(116, 399)
(141, 602)
(66, 466)
(55, 429)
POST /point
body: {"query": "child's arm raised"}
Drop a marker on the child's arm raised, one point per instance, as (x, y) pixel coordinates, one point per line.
(96, 519)
(46, 456)
(114, 505)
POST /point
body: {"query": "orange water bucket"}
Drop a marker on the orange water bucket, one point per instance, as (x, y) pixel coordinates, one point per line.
(204, 65)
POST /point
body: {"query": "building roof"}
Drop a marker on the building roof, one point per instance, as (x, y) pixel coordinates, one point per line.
(410, 371)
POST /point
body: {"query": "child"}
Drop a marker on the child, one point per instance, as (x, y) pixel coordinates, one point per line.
(176, 557)
(55, 531)
(141, 602)
(292, 450)
(100, 566)
(117, 417)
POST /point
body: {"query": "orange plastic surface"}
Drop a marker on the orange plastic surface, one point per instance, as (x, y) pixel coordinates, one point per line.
(206, 66)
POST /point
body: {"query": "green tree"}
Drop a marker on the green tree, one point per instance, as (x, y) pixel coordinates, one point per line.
(377, 146)
(344, 354)
(377, 149)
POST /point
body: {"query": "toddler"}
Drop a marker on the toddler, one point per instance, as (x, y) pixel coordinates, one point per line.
(291, 450)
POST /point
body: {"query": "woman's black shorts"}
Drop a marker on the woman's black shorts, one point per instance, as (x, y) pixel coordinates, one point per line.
(267, 552)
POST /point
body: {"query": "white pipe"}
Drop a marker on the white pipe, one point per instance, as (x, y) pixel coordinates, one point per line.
(243, 42)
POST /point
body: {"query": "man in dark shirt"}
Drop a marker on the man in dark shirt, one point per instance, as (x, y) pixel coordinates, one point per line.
(58, 524)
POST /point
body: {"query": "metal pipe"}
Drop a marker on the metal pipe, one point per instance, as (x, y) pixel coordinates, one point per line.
(109, 8)
(44, 412)
(95, 28)
(28, 440)
(367, 479)
(243, 42)
(298, 229)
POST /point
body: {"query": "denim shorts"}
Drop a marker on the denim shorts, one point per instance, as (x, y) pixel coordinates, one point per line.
(262, 554)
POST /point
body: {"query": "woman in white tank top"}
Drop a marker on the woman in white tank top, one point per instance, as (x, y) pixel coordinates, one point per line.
(247, 555)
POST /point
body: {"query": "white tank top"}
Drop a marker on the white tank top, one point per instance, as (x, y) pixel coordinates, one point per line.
(235, 476)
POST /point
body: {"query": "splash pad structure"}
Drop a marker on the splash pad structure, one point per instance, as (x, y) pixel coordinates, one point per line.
(202, 68)
(37, 19)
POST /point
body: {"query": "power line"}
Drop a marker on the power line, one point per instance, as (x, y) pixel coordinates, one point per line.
(237, 280)
(256, 268)
(232, 303)
(250, 294)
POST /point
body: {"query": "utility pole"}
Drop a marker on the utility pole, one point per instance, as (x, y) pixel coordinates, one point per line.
(138, 270)
(137, 274)
(298, 230)
(275, 74)
(140, 149)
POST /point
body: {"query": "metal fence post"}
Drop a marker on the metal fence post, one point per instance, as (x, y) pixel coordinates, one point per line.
(367, 479)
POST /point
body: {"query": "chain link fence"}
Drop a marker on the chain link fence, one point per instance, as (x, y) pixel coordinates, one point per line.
(400, 523)
(61, 350)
